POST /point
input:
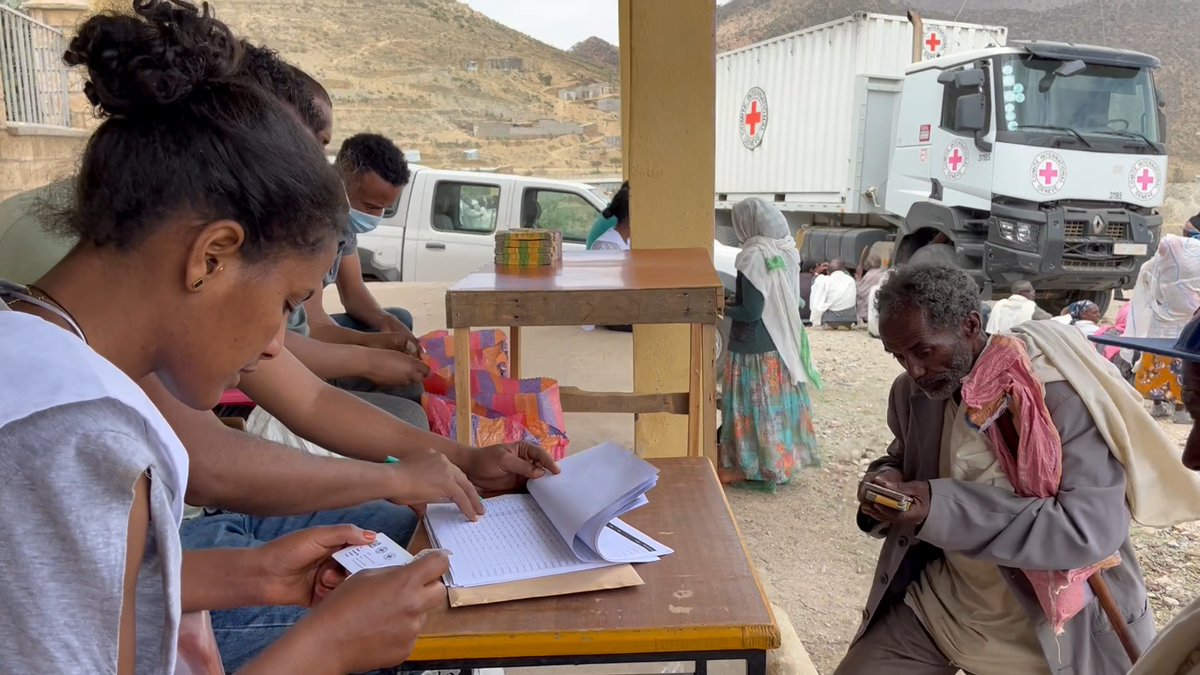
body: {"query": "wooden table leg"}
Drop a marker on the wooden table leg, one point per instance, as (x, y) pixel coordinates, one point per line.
(695, 393)
(462, 384)
(708, 390)
(514, 352)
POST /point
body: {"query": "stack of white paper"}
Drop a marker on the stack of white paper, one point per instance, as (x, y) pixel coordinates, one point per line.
(567, 523)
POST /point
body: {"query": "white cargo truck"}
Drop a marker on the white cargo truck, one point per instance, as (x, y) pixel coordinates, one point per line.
(932, 140)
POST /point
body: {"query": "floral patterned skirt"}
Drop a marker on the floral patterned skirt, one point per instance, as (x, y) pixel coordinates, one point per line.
(767, 428)
(1160, 378)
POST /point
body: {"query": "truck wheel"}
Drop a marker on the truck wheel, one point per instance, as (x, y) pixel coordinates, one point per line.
(934, 254)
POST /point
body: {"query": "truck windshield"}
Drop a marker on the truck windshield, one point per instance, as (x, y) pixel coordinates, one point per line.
(1110, 102)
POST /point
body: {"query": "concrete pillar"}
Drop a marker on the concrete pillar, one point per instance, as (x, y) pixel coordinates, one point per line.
(668, 88)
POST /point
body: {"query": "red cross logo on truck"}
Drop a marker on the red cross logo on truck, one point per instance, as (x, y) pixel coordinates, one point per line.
(1143, 180)
(933, 44)
(753, 118)
(956, 159)
(1047, 173)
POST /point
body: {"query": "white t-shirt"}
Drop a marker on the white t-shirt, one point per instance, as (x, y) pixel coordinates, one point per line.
(78, 434)
(1009, 312)
(610, 241)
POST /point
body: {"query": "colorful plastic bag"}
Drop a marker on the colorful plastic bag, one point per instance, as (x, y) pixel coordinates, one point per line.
(503, 410)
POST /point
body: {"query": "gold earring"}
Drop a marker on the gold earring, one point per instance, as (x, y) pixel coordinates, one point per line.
(197, 284)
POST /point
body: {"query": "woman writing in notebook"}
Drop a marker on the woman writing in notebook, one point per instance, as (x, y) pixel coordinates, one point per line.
(204, 214)
(767, 430)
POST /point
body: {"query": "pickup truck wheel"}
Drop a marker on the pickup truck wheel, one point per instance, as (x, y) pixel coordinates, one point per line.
(934, 254)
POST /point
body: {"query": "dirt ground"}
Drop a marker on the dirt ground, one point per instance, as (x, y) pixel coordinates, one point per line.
(813, 560)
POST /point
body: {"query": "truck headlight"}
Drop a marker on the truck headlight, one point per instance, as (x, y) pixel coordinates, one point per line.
(1024, 234)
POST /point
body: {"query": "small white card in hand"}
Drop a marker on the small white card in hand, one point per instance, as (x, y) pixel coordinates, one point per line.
(383, 552)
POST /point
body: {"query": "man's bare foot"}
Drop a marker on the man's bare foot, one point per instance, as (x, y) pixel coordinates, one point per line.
(731, 476)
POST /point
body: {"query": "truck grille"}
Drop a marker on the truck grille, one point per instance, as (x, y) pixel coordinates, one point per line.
(1079, 230)
(1121, 265)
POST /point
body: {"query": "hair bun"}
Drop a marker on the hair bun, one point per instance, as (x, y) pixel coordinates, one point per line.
(156, 57)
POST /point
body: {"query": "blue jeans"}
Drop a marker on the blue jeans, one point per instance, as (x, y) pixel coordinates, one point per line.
(347, 321)
(412, 392)
(243, 633)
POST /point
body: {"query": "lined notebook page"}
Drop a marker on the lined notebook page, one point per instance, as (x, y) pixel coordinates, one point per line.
(514, 541)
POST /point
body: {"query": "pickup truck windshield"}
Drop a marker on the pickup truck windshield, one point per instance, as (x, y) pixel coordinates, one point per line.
(1106, 103)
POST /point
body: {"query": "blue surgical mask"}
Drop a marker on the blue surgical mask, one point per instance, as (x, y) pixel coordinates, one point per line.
(362, 223)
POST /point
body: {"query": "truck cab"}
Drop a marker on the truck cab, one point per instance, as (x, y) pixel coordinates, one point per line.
(1044, 162)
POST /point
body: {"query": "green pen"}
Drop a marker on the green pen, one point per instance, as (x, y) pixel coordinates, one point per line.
(391, 460)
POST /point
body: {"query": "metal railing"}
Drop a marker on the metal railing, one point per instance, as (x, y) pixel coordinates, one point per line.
(32, 72)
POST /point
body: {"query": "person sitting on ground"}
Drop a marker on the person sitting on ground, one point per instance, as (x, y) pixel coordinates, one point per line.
(1015, 509)
(808, 274)
(1085, 316)
(203, 213)
(1015, 309)
(767, 432)
(608, 218)
(835, 297)
(869, 276)
(284, 490)
(374, 172)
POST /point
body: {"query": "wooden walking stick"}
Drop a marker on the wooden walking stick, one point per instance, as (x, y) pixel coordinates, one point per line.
(1114, 615)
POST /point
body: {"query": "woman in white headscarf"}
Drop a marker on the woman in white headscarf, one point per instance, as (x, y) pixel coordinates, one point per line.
(1166, 296)
(767, 430)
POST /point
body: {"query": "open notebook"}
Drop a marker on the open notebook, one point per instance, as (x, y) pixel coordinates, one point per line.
(567, 523)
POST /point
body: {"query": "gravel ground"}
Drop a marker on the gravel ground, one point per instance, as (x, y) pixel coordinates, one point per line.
(815, 563)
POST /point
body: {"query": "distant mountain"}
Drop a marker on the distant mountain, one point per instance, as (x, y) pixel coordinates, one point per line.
(424, 72)
(1164, 28)
(598, 52)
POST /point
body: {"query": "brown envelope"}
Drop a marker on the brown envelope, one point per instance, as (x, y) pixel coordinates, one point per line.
(605, 578)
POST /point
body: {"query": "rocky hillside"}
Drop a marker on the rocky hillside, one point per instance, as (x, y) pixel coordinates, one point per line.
(598, 52)
(426, 71)
(1160, 27)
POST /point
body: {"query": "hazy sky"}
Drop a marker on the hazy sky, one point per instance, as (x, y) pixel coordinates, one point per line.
(561, 23)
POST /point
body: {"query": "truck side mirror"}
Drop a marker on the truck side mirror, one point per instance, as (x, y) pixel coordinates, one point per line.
(969, 79)
(970, 113)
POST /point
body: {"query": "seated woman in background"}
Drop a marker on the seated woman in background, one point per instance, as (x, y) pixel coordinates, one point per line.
(614, 236)
(767, 429)
(204, 214)
(610, 218)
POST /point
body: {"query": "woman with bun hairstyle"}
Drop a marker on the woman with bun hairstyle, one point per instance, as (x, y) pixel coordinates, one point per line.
(204, 214)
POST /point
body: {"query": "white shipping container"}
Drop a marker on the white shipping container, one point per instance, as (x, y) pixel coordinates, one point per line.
(804, 95)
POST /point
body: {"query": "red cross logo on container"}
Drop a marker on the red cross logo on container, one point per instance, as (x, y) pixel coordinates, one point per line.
(1145, 180)
(753, 118)
(934, 43)
(1048, 173)
(955, 159)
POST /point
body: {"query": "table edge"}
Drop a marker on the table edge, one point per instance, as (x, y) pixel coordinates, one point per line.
(760, 637)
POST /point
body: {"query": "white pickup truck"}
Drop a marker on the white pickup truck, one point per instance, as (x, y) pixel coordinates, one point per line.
(444, 225)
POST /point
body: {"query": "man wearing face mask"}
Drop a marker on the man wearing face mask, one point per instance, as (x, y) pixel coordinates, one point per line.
(985, 568)
(374, 172)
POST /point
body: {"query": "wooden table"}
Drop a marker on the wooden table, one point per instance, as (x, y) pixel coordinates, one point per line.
(602, 288)
(703, 603)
